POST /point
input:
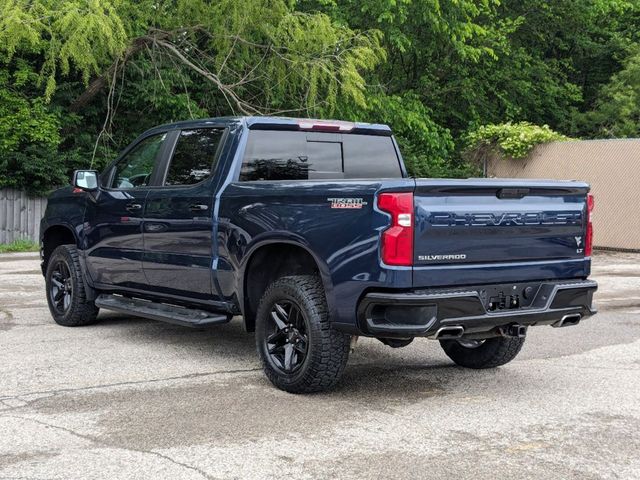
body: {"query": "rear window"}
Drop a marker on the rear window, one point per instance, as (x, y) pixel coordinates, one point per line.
(278, 155)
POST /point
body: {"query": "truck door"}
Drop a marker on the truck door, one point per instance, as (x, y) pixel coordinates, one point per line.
(178, 224)
(113, 221)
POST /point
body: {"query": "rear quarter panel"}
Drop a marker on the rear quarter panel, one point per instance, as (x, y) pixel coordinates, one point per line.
(344, 241)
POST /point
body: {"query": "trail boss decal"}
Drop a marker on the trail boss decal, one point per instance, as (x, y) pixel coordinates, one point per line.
(346, 202)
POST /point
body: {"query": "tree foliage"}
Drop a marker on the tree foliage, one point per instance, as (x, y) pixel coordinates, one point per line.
(617, 112)
(79, 79)
(67, 34)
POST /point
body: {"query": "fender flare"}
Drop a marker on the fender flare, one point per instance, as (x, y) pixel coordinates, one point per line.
(275, 238)
(90, 291)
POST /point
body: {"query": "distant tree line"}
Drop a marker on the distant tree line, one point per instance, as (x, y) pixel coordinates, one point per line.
(79, 79)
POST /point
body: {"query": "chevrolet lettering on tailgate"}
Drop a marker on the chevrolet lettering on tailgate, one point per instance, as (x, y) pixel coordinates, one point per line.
(500, 219)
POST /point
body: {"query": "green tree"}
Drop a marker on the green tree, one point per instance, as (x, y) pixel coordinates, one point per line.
(79, 79)
(63, 35)
(617, 110)
(107, 69)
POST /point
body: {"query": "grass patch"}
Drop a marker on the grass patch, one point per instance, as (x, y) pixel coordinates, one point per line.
(20, 245)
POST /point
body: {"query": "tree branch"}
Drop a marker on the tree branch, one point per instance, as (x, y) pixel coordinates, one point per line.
(226, 90)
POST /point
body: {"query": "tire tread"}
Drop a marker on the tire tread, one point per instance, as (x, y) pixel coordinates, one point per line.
(495, 352)
(83, 311)
(330, 350)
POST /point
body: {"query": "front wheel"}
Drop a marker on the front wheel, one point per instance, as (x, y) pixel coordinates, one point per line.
(66, 296)
(300, 352)
(489, 353)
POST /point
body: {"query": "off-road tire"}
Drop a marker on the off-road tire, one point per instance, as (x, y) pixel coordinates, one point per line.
(80, 311)
(494, 352)
(327, 350)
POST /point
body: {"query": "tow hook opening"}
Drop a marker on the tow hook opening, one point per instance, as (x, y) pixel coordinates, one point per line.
(514, 330)
(449, 333)
(568, 320)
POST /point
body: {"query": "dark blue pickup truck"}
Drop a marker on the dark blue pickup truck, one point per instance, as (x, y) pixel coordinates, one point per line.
(314, 233)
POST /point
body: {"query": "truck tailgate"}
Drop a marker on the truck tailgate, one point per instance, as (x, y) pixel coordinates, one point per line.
(468, 223)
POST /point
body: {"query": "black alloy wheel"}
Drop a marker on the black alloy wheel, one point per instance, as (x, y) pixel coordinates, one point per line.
(61, 287)
(67, 297)
(288, 343)
(299, 349)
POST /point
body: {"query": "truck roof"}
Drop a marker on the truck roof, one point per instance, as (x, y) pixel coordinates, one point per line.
(281, 123)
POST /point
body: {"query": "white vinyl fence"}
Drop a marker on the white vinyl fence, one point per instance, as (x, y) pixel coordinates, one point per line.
(20, 215)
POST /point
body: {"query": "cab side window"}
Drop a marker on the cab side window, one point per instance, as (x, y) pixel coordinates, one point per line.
(194, 156)
(135, 168)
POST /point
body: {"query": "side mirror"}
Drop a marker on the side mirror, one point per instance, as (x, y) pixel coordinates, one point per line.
(86, 180)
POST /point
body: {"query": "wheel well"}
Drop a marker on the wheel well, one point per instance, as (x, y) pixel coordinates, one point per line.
(54, 237)
(268, 264)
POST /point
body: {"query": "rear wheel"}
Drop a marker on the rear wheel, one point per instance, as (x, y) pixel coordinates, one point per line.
(489, 353)
(66, 295)
(300, 352)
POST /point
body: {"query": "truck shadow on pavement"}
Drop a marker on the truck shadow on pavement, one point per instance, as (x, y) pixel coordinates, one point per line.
(403, 375)
(181, 386)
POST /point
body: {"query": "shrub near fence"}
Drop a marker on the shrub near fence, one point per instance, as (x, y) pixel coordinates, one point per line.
(20, 215)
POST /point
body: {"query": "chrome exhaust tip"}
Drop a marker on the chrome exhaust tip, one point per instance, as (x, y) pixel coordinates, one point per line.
(568, 320)
(449, 333)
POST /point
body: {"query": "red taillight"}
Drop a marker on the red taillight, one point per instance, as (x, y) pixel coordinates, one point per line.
(588, 243)
(397, 240)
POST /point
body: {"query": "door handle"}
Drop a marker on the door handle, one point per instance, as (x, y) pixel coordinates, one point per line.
(198, 207)
(132, 207)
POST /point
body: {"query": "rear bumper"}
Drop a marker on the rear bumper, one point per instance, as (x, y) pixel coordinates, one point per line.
(424, 312)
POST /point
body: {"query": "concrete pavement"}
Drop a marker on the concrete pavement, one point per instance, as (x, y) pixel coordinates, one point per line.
(131, 398)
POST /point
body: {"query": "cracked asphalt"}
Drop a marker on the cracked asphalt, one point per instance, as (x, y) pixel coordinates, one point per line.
(131, 398)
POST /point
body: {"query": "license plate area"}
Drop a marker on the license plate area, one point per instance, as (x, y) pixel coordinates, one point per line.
(509, 296)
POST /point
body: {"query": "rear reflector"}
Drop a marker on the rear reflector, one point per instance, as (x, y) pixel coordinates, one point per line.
(397, 240)
(588, 244)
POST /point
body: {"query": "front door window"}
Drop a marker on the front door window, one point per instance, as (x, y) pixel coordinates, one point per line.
(134, 169)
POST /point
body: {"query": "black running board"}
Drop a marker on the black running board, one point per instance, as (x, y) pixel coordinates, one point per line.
(187, 317)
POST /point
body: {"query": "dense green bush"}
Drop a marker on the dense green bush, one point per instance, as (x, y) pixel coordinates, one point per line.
(29, 139)
(514, 140)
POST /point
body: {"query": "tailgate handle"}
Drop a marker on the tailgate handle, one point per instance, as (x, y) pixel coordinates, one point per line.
(512, 192)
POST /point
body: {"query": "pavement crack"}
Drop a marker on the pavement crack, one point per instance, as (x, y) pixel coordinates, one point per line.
(596, 367)
(25, 478)
(107, 444)
(188, 376)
